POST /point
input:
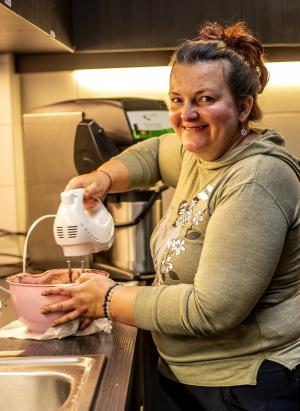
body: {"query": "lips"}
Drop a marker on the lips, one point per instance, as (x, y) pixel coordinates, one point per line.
(194, 128)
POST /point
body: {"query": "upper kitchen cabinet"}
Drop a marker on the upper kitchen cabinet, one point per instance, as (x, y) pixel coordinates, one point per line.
(35, 26)
(120, 25)
(123, 33)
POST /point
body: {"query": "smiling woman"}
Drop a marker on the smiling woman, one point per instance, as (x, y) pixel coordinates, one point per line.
(203, 111)
(224, 308)
(213, 89)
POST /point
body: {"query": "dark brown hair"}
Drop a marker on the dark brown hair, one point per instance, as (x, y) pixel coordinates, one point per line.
(247, 74)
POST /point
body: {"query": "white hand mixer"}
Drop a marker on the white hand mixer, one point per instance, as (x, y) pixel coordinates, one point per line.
(78, 231)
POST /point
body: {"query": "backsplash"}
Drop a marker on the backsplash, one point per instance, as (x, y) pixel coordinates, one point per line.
(12, 210)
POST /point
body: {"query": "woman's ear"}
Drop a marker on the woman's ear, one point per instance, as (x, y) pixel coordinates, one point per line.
(245, 108)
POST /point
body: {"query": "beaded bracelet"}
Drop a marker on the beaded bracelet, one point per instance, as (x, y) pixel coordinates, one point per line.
(107, 300)
(108, 175)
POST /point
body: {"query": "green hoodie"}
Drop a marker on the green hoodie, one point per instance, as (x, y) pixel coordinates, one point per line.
(227, 259)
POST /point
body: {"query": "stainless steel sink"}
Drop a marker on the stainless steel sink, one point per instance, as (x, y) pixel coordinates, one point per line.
(49, 383)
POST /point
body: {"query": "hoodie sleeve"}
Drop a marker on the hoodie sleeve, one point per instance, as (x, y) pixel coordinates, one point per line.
(153, 160)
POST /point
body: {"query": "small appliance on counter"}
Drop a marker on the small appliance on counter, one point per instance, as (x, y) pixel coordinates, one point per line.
(77, 136)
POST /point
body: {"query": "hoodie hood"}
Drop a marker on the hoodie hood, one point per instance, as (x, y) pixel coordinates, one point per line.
(269, 143)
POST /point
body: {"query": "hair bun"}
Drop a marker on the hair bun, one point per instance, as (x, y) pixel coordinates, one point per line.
(240, 39)
(236, 37)
(211, 31)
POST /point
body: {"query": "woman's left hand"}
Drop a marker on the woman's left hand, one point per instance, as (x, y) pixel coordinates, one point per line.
(86, 302)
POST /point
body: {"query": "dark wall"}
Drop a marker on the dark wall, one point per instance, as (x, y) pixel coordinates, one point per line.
(122, 33)
(135, 24)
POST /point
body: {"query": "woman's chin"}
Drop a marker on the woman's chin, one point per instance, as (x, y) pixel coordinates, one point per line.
(200, 152)
(193, 148)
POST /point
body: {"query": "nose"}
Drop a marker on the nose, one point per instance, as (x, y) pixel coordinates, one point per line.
(189, 112)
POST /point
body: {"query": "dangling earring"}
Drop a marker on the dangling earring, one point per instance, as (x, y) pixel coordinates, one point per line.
(244, 131)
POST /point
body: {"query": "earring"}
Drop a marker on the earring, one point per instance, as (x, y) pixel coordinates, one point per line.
(244, 131)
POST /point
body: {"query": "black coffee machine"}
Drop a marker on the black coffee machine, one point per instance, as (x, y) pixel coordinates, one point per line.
(136, 212)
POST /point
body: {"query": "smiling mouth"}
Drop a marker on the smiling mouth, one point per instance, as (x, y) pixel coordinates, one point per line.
(195, 128)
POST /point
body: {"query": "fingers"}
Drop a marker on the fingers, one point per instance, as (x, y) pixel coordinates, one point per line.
(95, 185)
(86, 299)
(86, 181)
(86, 276)
(92, 189)
(67, 305)
(70, 316)
(84, 323)
(68, 291)
(91, 203)
(77, 182)
(83, 278)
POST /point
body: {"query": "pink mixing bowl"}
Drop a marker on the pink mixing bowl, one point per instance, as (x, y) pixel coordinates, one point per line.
(26, 289)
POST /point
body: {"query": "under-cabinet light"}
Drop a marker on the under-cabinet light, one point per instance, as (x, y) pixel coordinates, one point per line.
(124, 81)
(284, 73)
(154, 81)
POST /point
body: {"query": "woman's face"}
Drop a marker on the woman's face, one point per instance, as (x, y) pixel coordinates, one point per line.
(203, 112)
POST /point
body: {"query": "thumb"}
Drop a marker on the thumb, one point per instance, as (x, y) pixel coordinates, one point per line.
(93, 189)
(83, 278)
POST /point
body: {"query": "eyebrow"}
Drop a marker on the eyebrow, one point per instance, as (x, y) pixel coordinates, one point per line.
(197, 91)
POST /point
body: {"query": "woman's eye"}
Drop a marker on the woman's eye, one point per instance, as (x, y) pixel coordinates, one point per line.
(205, 99)
(176, 100)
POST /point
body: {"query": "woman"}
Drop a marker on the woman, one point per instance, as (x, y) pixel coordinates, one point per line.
(225, 306)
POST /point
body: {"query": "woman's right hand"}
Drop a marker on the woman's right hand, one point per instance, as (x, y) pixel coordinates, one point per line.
(95, 184)
(113, 176)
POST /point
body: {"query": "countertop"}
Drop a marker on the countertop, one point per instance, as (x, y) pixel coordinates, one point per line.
(118, 347)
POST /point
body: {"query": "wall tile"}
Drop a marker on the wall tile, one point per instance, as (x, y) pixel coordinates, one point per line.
(8, 213)
(19, 175)
(7, 174)
(10, 245)
(5, 102)
(39, 89)
(280, 98)
(12, 206)
(6, 58)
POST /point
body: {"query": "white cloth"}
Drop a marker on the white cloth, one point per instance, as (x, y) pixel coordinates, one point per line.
(16, 329)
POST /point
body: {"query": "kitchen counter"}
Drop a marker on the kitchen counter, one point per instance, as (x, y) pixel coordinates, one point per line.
(119, 347)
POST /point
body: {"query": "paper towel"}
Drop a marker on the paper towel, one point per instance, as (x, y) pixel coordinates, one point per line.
(16, 329)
